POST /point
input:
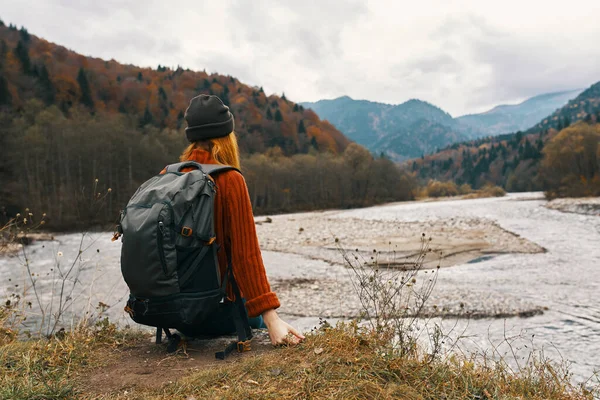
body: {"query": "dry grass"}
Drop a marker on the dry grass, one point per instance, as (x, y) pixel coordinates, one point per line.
(45, 368)
(346, 362)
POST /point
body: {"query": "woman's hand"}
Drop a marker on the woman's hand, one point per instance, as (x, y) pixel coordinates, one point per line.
(280, 331)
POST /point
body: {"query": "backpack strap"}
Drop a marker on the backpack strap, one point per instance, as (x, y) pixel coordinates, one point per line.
(179, 166)
(208, 169)
(240, 317)
(211, 169)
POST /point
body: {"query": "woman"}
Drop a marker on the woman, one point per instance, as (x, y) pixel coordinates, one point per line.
(212, 141)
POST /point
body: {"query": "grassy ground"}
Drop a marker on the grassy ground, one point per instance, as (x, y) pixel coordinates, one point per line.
(339, 363)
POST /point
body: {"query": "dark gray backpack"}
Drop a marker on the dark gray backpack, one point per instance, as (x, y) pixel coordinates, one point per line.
(169, 256)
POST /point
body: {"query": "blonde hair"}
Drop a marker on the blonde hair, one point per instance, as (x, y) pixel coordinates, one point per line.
(224, 150)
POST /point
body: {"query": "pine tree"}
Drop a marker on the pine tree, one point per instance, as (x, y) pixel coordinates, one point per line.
(225, 95)
(269, 114)
(301, 128)
(283, 97)
(313, 143)
(25, 36)
(296, 109)
(147, 119)
(278, 116)
(5, 96)
(47, 91)
(180, 119)
(162, 95)
(140, 76)
(22, 54)
(3, 51)
(86, 92)
(163, 104)
(518, 137)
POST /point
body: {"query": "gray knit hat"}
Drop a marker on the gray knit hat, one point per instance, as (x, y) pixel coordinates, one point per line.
(207, 118)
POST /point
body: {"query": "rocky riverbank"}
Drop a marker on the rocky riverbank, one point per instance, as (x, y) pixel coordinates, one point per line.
(585, 206)
(318, 282)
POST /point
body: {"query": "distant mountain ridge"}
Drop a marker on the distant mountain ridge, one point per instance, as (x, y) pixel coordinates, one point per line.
(517, 117)
(400, 131)
(416, 127)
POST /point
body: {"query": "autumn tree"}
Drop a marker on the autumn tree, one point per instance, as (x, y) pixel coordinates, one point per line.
(571, 164)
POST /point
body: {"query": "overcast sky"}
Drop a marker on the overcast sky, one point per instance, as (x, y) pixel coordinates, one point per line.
(463, 56)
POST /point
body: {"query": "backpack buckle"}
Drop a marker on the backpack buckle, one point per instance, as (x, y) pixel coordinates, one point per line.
(244, 346)
(186, 231)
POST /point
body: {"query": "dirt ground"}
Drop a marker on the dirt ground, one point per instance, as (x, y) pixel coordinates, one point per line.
(143, 365)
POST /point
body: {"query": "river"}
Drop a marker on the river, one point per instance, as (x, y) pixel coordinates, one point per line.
(565, 278)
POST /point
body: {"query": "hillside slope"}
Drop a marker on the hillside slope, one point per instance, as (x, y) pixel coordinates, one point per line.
(400, 131)
(32, 67)
(518, 117)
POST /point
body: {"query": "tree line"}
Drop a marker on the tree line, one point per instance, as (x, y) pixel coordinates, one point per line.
(81, 170)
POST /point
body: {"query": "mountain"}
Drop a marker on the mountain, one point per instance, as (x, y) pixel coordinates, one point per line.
(415, 127)
(518, 117)
(510, 160)
(401, 131)
(33, 68)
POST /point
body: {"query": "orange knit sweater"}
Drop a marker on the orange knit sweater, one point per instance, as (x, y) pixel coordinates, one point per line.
(236, 232)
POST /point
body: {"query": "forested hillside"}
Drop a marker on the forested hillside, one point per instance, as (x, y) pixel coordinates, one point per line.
(400, 131)
(513, 160)
(34, 68)
(80, 134)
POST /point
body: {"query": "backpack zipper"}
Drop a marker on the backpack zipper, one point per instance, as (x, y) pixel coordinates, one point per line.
(159, 241)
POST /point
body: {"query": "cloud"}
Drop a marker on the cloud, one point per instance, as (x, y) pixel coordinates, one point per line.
(463, 56)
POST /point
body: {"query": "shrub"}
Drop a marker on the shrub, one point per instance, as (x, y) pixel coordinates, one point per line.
(465, 188)
(441, 189)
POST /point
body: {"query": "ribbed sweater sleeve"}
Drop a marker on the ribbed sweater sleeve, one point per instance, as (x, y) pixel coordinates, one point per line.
(248, 267)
